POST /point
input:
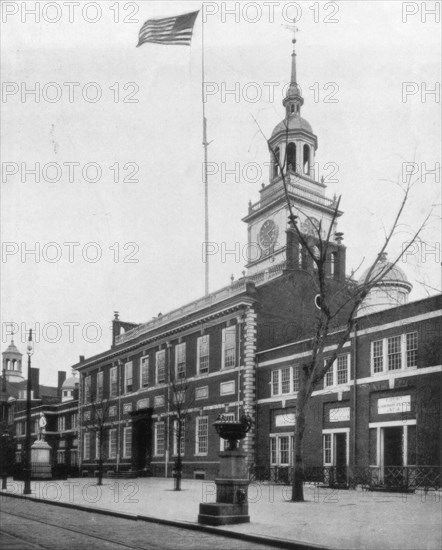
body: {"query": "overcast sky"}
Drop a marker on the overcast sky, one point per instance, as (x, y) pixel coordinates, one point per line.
(148, 226)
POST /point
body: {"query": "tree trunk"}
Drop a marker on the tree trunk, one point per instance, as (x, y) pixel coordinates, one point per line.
(298, 474)
(178, 463)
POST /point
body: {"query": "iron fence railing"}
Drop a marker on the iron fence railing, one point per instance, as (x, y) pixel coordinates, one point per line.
(394, 478)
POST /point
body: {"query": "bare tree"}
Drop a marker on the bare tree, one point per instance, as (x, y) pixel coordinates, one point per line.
(99, 424)
(334, 304)
(181, 399)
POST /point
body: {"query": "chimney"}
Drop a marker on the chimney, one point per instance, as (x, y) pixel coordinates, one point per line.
(116, 328)
(81, 358)
(35, 382)
(61, 379)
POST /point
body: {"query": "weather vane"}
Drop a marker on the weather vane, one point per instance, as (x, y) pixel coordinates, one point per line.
(294, 29)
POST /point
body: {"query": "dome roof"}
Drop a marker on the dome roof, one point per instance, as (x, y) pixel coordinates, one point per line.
(12, 348)
(70, 382)
(294, 123)
(395, 277)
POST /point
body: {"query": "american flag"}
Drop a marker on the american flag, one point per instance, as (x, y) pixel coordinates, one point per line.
(168, 30)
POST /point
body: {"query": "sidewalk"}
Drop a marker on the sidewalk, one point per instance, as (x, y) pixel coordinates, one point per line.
(330, 518)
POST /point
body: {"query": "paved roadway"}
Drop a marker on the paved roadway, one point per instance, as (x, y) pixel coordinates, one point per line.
(27, 525)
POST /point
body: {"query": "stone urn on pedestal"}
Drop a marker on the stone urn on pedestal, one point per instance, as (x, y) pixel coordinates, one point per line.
(231, 504)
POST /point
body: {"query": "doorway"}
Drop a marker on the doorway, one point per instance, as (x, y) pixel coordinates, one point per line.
(393, 456)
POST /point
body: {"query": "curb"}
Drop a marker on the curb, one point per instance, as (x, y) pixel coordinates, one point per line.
(220, 531)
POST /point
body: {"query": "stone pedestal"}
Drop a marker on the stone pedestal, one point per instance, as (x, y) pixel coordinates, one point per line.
(41, 460)
(231, 504)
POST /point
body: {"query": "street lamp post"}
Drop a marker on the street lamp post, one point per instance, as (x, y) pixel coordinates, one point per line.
(27, 468)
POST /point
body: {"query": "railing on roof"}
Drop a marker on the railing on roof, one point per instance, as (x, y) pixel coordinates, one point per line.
(297, 190)
(237, 287)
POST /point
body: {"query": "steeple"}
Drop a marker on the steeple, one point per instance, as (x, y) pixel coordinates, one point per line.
(293, 99)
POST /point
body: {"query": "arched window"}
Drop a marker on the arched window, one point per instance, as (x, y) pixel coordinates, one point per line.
(332, 263)
(276, 158)
(291, 156)
(14, 364)
(292, 108)
(306, 159)
(8, 364)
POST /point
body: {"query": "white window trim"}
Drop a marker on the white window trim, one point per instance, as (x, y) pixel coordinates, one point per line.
(332, 431)
(385, 370)
(178, 348)
(87, 437)
(198, 354)
(125, 430)
(156, 438)
(276, 438)
(144, 359)
(126, 368)
(231, 328)
(198, 420)
(157, 355)
(111, 393)
(111, 432)
(334, 367)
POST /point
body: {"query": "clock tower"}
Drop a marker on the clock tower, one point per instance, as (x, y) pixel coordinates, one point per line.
(292, 146)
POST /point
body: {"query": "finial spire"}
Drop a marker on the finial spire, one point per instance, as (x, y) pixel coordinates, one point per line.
(293, 100)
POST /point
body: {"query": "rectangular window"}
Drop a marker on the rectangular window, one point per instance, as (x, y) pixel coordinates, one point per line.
(127, 442)
(74, 458)
(159, 439)
(144, 372)
(342, 369)
(328, 380)
(273, 450)
(377, 356)
(100, 386)
(203, 354)
(285, 380)
(61, 457)
(180, 360)
(394, 353)
(175, 438)
(339, 372)
(327, 449)
(275, 382)
(229, 347)
(160, 366)
(113, 383)
(284, 450)
(411, 349)
(87, 389)
(113, 443)
(296, 378)
(202, 435)
(128, 380)
(61, 423)
(87, 446)
(74, 421)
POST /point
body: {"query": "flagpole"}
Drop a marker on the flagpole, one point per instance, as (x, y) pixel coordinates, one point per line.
(205, 177)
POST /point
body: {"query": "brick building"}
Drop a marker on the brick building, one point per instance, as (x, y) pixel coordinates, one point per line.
(59, 405)
(240, 347)
(376, 416)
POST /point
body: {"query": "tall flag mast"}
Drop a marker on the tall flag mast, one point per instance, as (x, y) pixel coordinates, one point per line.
(178, 30)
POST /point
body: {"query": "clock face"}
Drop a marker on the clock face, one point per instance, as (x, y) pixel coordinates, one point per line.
(268, 233)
